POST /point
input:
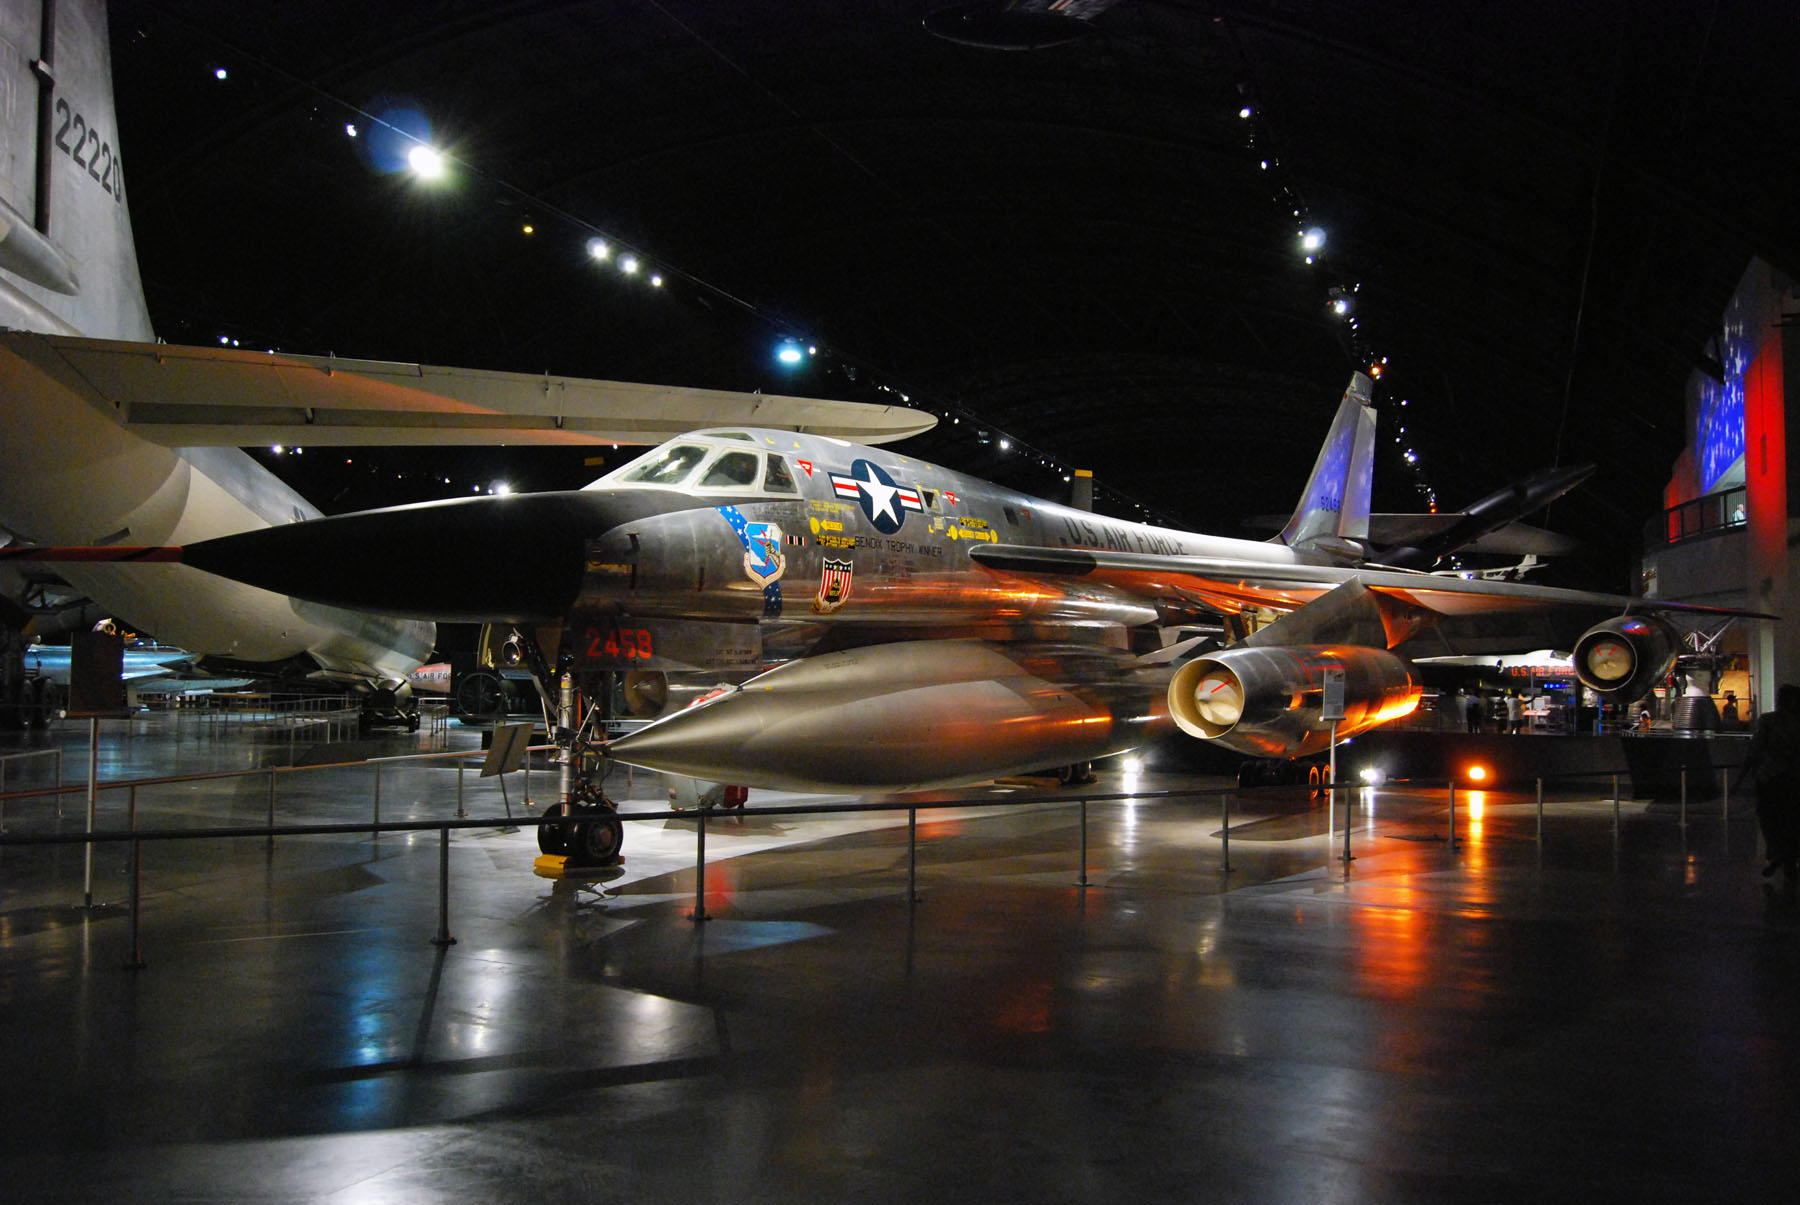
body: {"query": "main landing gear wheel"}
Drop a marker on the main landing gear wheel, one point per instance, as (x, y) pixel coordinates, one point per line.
(553, 834)
(595, 837)
(1079, 774)
(481, 696)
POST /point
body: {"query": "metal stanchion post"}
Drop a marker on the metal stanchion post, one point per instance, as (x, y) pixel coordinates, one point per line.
(1225, 835)
(136, 959)
(375, 833)
(1725, 796)
(1452, 815)
(443, 937)
(1684, 797)
(1331, 791)
(1540, 810)
(1082, 881)
(461, 812)
(271, 807)
(59, 783)
(87, 871)
(1349, 803)
(1615, 781)
(699, 913)
(912, 855)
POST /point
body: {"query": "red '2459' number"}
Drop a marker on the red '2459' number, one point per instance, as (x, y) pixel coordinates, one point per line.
(618, 643)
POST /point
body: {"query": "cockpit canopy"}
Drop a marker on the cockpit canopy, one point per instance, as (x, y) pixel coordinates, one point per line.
(708, 461)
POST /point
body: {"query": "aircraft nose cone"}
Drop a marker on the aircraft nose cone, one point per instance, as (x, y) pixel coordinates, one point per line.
(516, 558)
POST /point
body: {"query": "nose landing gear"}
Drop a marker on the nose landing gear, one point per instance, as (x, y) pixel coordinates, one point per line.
(584, 830)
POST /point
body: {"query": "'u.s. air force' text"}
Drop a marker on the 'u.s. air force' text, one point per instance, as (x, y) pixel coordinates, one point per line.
(1083, 534)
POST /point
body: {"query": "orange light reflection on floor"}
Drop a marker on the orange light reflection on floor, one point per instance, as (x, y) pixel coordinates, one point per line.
(721, 885)
(1475, 803)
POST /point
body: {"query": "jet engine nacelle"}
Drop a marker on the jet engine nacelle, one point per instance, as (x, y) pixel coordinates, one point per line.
(1267, 702)
(1626, 656)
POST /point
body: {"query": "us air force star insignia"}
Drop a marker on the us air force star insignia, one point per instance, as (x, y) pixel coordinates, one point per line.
(883, 502)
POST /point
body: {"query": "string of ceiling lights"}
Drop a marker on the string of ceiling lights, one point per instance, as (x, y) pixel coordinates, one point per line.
(409, 147)
(1343, 293)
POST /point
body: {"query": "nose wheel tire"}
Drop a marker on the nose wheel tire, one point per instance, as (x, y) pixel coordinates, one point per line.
(596, 839)
(553, 836)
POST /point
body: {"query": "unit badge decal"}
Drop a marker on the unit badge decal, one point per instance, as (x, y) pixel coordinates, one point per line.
(763, 559)
(764, 562)
(884, 503)
(834, 586)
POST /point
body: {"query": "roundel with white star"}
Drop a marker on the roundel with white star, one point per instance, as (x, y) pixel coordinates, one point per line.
(884, 503)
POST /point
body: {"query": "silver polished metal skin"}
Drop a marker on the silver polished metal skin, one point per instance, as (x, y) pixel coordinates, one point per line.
(927, 713)
(925, 624)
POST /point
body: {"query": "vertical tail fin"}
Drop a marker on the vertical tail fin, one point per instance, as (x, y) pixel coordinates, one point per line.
(67, 261)
(1335, 505)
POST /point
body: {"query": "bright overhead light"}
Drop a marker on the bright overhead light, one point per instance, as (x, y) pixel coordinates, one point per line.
(426, 162)
(656, 282)
(629, 265)
(788, 352)
(501, 488)
(528, 228)
(219, 73)
(350, 128)
(1006, 445)
(1313, 239)
(598, 249)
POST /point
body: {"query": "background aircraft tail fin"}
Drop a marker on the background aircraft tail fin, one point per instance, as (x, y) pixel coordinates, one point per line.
(1334, 508)
(68, 264)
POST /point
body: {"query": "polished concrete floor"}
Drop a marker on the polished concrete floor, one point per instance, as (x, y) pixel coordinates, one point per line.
(1612, 1015)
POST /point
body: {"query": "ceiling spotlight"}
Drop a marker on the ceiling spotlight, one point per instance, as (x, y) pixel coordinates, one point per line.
(629, 265)
(656, 282)
(501, 488)
(350, 128)
(426, 162)
(1313, 239)
(788, 352)
(528, 228)
(598, 249)
(1340, 306)
(1245, 111)
(219, 73)
(1006, 445)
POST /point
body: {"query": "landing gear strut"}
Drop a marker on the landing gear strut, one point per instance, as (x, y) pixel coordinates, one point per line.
(584, 826)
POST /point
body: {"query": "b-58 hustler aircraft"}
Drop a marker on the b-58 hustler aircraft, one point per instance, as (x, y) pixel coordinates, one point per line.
(927, 628)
